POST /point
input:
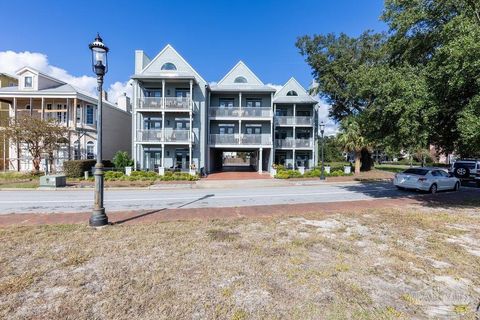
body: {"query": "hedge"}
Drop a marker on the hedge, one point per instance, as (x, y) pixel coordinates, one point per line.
(76, 168)
(149, 176)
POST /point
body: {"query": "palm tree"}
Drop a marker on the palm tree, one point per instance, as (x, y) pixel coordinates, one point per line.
(351, 139)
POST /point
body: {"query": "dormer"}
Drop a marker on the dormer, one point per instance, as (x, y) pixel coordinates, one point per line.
(30, 79)
(240, 74)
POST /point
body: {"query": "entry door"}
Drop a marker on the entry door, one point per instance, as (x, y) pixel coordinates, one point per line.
(153, 159)
(182, 159)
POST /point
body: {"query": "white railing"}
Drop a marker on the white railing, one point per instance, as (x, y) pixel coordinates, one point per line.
(257, 112)
(240, 112)
(224, 112)
(294, 143)
(303, 143)
(168, 135)
(177, 103)
(240, 139)
(176, 135)
(265, 139)
(171, 103)
(224, 139)
(149, 136)
(291, 120)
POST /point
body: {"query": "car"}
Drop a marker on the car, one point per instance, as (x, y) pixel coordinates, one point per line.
(467, 169)
(426, 179)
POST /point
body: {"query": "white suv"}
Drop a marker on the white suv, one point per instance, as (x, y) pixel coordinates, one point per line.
(467, 169)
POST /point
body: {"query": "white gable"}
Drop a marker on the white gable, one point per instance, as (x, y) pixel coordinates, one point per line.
(240, 74)
(294, 86)
(170, 62)
(30, 79)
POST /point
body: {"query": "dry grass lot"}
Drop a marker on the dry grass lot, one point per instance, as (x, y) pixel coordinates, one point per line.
(384, 264)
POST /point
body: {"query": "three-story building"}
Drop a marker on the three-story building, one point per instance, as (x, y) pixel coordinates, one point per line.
(182, 123)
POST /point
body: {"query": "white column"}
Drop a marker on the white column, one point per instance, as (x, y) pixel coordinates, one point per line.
(240, 119)
(294, 136)
(191, 126)
(163, 155)
(260, 160)
(293, 155)
(43, 108)
(163, 94)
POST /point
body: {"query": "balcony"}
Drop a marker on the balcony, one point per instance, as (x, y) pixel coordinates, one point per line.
(240, 139)
(164, 136)
(293, 121)
(236, 112)
(171, 104)
(291, 143)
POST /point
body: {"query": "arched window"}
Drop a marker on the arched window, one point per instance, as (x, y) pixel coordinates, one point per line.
(27, 107)
(292, 93)
(240, 80)
(90, 150)
(169, 66)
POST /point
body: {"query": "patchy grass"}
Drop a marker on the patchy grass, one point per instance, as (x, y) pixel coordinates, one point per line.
(373, 264)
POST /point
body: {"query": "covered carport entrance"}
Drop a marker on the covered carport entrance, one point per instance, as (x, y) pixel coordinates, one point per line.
(252, 161)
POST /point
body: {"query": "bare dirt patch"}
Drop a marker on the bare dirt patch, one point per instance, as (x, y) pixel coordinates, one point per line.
(370, 264)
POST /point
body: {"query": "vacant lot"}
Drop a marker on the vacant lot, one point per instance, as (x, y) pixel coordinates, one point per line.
(376, 264)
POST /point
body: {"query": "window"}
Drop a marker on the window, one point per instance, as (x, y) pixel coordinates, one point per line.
(420, 172)
(253, 129)
(254, 103)
(226, 103)
(240, 80)
(28, 82)
(79, 114)
(152, 123)
(226, 128)
(182, 123)
(76, 150)
(90, 152)
(27, 107)
(182, 93)
(61, 115)
(303, 113)
(292, 93)
(89, 115)
(169, 66)
(153, 93)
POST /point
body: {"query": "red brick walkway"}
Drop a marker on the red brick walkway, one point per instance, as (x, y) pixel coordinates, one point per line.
(132, 217)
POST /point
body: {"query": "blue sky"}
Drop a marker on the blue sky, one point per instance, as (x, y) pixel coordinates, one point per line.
(211, 35)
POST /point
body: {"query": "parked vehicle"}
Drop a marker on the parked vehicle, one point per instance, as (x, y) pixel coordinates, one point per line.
(467, 169)
(426, 179)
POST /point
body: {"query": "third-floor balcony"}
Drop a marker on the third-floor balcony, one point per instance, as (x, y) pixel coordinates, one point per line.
(241, 139)
(167, 104)
(168, 135)
(236, 112)
(290, 143)
(293, 121)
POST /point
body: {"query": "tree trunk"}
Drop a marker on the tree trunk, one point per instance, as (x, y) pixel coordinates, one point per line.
(36, 164)
(358, 155)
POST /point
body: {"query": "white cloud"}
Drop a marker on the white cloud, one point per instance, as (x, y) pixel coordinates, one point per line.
(11, 61)
(275, 86)
(331, 128)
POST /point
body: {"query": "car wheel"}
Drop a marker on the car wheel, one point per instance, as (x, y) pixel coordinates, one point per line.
(433, 189)
(457, 186)
(461, 172)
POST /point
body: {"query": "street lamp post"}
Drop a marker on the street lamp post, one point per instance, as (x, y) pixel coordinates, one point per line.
(322, 131)
(100, 68)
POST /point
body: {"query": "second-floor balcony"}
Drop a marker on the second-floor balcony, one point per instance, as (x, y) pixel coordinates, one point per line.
(164, 136)
(290, 143)
(241, 139)
(236, 112)
(168, 104)
(293, 121)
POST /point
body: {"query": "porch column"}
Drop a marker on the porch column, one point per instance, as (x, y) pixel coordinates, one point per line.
(43, 108)
(163, 155)
(17, 145)
(293, 156)
(190, 133)
(31, 107)
(67, 116)
(240, 118)
(260, 160)
(163, 94)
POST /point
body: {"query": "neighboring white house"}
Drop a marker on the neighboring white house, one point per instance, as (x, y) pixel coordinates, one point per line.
(181, 122)
(39, 95)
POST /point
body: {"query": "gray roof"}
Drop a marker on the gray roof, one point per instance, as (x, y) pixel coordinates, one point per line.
(241, 88)
(295, 99)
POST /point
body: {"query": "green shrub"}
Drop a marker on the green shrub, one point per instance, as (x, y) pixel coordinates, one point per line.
(337, 173)
(287, 174)
(282, 175)
(76, 168)
(113, 175)
(121, 159)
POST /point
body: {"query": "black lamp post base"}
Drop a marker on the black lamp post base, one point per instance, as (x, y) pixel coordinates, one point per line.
(98, 218)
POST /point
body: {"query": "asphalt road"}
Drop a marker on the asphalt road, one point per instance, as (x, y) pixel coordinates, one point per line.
(125, 200)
